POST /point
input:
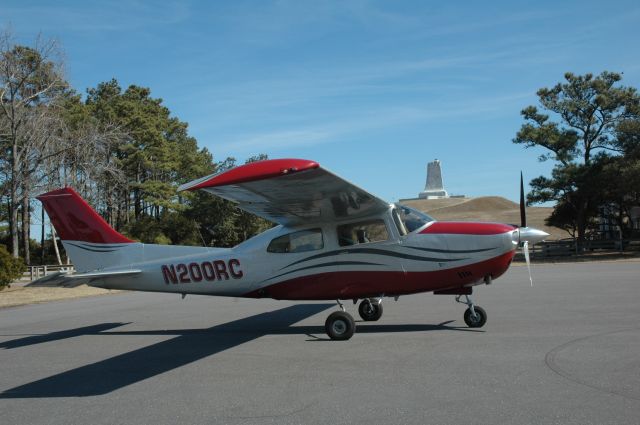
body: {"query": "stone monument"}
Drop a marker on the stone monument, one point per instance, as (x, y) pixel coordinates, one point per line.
(434, 188)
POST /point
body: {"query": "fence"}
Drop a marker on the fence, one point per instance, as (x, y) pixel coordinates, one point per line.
(36, 272)
(567, 247)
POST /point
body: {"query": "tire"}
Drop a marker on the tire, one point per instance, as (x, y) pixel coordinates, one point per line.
(370, 311)
(478, 321)
(340, 326)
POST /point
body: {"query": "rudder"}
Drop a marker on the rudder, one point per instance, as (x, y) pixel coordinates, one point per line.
(75, 220)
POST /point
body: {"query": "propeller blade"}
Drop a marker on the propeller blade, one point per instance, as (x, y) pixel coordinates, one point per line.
(523, 214)
(525, 249)
(526, 234)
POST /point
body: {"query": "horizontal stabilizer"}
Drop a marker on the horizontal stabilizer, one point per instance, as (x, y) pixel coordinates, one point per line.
(96, 275)
(57, 279)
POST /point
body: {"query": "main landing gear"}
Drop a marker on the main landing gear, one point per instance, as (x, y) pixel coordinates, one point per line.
(474, 316)
(370, 309)
(340, 325)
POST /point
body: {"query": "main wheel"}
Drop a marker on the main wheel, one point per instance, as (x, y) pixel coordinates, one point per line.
(370, 311)
(475, 321)
(340, 326)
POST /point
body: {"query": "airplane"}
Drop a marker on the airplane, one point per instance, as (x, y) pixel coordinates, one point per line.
(332, 241)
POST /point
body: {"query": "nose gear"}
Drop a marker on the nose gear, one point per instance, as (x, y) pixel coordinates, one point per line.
(475, 316)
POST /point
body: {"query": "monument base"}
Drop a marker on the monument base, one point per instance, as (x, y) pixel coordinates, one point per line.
(433, 194)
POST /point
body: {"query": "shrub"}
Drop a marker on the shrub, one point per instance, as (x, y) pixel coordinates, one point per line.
(10, 268)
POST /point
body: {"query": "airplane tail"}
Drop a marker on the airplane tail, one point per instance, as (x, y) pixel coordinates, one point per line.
(88, 239)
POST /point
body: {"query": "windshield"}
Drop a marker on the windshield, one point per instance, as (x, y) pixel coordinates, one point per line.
(413, 219)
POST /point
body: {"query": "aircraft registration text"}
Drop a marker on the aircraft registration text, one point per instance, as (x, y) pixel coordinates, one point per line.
(197, 272)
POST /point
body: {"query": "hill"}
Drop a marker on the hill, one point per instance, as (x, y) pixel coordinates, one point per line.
(486, 208)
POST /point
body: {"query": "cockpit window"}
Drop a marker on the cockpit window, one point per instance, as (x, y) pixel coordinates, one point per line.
(305, 240)
(362, 232)
(402, 230)
(412, 218)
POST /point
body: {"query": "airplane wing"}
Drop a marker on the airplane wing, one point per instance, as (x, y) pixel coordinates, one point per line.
(289, 191)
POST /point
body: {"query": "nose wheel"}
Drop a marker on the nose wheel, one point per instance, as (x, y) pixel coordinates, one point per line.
(474, 316)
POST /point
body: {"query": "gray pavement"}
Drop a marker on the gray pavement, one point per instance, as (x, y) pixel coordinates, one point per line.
(566, 351)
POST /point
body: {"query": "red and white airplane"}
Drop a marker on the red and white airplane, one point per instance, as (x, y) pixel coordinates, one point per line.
(333, 241)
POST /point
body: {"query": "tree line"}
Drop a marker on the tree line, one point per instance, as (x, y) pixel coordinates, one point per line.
(126, 153)
(121, 149)
(590, 127)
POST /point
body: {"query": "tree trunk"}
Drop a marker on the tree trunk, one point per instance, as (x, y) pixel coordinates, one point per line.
(136, 192)
(13, 228)
(15, 202)
(42, 229)
(582, 226)
(136, 203)
(26, 229)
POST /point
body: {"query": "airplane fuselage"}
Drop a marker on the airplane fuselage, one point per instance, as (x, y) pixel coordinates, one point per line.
(333, 241)
(436, 257)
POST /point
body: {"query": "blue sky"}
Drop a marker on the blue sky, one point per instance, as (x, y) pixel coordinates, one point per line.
(372, 90)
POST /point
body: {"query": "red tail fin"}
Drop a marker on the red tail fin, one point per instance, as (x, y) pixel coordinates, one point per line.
(75, 220)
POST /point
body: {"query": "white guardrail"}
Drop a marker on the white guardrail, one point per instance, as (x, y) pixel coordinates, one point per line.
(36, 272)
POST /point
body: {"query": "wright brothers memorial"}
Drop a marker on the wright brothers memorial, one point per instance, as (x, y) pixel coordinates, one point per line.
(434, 188)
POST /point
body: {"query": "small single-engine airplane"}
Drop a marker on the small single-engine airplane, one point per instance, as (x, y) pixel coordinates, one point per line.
(333, 241)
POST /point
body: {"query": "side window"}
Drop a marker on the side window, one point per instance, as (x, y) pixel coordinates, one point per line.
(362, 232)
(305, 240)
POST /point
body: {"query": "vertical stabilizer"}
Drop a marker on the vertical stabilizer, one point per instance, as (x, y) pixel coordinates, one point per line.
(88, 239)
(75, 220)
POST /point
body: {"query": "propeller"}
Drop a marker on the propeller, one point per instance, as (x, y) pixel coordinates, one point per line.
(523, 225)
(527, 234)
(525, 248)
(523, 213)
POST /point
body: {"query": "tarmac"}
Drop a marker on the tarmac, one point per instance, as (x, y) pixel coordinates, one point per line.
(565, 351)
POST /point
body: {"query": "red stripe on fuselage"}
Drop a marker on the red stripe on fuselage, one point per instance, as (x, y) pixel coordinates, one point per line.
(467, 228)
(362, 284)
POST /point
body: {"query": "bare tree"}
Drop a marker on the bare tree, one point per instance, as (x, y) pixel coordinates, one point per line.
(81, 157)
(31, 81)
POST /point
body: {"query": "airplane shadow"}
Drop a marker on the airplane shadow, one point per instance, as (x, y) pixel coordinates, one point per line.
(56, 336)
(188, 346)
(125, 369)
(361, 328)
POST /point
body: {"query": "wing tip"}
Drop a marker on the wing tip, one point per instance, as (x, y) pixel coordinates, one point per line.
(258, 170)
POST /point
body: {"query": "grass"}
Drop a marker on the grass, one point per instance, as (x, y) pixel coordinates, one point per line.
(20, 295)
